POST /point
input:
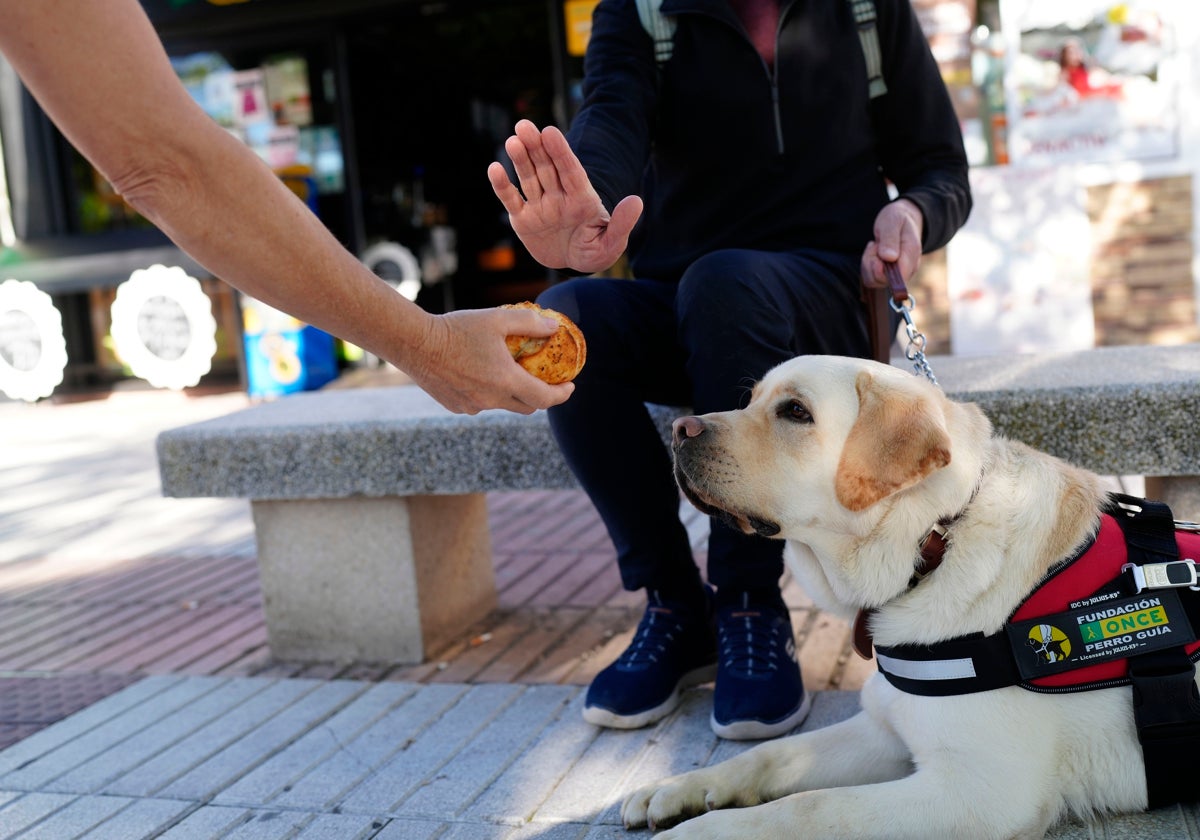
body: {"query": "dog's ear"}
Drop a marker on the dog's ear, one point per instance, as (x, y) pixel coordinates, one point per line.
(897, 440)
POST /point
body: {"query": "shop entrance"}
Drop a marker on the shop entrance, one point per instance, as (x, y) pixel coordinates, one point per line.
(435, 89)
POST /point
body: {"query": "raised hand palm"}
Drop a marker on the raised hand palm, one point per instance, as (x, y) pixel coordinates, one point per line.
(561, 219)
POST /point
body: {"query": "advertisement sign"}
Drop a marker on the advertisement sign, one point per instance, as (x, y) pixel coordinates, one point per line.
(1091, 81)
(163, 327)
(33, 352)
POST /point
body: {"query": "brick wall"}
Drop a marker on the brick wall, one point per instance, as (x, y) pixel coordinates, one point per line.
(1142, 288)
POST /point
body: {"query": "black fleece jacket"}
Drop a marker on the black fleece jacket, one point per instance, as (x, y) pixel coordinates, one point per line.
(730, 153)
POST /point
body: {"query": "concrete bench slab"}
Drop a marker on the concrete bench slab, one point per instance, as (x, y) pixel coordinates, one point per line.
(372, 527)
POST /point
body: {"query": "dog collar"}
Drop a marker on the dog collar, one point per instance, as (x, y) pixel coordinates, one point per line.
(933, 551)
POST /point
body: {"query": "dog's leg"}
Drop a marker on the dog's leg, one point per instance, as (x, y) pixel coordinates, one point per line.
(857, 783)
(857, 751)
(912, 808)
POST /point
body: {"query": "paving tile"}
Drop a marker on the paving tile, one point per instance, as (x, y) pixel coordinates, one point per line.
(329, 783)
(206, 823)
(341, 827)
(272, 734)
(197, 748)
(425, 755)
(269, 825)
(78, 818)
(25, 810)
(551, 831)
(596, 780)
(142, 820)
(49, 739)
(31, 764)
(94, 774)
(279, 773)
(410, 830)
(475, 831)
(478, 763)
(525, 785)
(684, 741)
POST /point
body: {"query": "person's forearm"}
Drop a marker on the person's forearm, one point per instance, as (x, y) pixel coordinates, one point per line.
(230, 213)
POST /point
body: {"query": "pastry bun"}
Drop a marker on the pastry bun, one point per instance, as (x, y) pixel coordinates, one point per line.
(555, 359)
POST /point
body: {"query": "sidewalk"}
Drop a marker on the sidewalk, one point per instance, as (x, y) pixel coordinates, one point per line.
(138, 697)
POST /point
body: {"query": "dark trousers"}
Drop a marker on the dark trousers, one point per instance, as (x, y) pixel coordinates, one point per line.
(701, 342)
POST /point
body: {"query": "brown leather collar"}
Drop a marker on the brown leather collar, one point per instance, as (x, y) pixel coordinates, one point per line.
(933, 549)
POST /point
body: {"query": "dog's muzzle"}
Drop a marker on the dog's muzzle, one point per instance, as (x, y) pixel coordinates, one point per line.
(692, 444)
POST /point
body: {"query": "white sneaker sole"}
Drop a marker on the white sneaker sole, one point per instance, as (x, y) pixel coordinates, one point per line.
(612, 720)
(756, 730)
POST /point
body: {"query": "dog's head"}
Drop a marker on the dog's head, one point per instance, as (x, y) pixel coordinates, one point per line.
(824, 440)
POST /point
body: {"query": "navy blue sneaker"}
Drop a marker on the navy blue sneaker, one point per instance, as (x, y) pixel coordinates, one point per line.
(759, 693)
(674, 648)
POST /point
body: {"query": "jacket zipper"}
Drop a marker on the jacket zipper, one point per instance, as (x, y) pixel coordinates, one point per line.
(773, 75)
(778, 113)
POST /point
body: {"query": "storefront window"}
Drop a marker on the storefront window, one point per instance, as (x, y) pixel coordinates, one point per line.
(269, 107)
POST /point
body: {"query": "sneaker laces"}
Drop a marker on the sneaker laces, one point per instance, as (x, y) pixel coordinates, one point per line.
(657, 629)
(750, 641)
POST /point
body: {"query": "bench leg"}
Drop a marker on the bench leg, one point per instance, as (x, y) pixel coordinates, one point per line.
(372, 580)
(1180, 492)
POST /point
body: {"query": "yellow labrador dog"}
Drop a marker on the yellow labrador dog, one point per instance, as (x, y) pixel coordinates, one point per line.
(852, 463)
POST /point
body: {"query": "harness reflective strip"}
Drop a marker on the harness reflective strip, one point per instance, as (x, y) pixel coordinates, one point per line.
(931, 669)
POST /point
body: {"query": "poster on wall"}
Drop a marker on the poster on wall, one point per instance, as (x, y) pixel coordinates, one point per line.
(1018, 271)
(1091, 81)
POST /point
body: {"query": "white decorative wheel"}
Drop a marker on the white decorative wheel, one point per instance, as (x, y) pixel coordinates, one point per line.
(33, 352)
(163, 327)
(395, 264)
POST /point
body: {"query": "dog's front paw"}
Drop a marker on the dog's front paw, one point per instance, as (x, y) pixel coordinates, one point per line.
(671, 801)
(663, 805)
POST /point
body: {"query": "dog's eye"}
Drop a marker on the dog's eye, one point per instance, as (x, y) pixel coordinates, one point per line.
(795, 411)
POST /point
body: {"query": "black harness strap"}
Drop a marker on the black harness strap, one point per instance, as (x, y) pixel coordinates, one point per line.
(1166, 707)
(1166, 704)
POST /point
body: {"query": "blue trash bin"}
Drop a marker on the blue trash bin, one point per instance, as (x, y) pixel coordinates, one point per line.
(283, 355)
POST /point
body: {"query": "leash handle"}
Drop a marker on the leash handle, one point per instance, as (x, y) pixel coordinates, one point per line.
(896, 287)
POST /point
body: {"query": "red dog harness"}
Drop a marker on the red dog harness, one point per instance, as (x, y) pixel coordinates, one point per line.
(1120, 612)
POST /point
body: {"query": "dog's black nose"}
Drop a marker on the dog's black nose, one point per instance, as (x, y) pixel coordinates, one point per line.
(686, 427)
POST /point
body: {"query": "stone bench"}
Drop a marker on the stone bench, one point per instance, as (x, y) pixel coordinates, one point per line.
(371, 519)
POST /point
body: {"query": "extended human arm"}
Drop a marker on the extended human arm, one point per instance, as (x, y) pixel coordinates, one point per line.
(101, 74)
